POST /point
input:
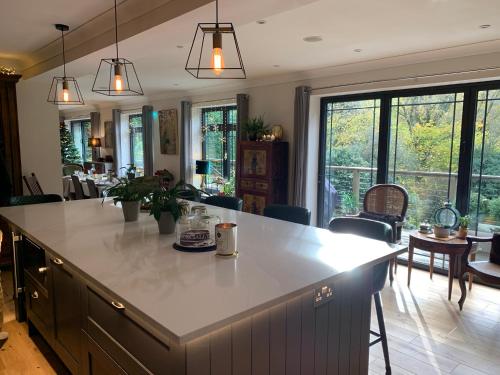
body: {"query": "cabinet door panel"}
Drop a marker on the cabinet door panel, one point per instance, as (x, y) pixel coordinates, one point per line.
(96, 361)
(67, 313)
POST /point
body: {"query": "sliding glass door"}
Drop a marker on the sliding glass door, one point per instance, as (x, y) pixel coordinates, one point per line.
(442, 144)
(349, 155)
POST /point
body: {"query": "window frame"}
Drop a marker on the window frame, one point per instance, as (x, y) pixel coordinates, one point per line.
(85, 148)
(132, 131)
(225, 128)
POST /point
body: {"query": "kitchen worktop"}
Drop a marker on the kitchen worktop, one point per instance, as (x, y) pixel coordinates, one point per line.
(188, 295)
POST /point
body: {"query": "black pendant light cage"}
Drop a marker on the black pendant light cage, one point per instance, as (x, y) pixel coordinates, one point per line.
(64, 90)
(104, 82)
(110, 68)
(211, 35)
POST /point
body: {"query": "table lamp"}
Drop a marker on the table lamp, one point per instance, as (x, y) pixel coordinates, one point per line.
(202, 168)
(95, 143)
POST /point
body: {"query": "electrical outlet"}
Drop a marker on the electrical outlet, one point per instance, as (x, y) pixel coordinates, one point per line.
(323, 295)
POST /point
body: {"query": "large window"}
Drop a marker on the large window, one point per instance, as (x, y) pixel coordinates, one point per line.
(81, 132)
(136, 141)
(440, 143)
(218, 126)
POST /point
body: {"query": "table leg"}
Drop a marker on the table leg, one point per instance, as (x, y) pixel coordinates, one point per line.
(431, 265)
(410, 259)
(451, 273)
(471, 275)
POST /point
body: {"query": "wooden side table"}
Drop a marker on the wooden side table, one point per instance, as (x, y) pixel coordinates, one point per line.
(454, 248)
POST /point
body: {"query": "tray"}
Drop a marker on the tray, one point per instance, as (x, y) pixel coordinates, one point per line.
(194, 249)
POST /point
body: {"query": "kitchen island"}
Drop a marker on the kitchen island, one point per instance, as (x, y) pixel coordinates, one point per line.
(114, 297)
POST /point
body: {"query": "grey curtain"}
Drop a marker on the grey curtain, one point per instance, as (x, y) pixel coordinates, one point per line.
(117, 150)
(95, 124)
(186, 167)
(147, 134)
(300, 138)
(242, 101)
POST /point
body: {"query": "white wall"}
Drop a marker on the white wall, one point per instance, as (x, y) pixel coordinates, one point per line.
(39, 135)
(273, 97)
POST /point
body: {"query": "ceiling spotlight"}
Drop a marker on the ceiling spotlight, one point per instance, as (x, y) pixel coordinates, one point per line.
(261, 22)
(485, 26)
(358, 50)
(276, 66)
(180, 46)
(313, 39)
(176, 84)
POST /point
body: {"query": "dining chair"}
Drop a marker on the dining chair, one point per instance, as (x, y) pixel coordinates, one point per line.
(231, 203)
(71, 168)
(387, 203)
(292, 214)
(33, 185)
(376, 230)
(22, 200)
(488, 271)
(93, 191)
(77, 185)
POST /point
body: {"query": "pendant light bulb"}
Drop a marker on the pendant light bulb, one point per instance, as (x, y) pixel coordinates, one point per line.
(65, 91)
(118, 77)
(217, 60)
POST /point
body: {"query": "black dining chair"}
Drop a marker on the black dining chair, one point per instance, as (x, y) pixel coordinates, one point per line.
(93, 191)
(77, 185)
(33, 185)
(294, 214)
(223, 201)
(22, 200)
(376, 230)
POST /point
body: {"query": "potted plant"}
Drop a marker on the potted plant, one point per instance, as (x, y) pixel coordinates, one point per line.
(464, 225)
(165, 176)
(255, 128)
(167, 208)
(130, 170)
(441, 231)
(130, 193)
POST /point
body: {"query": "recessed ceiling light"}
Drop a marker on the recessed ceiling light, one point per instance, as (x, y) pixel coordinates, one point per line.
(313, 39)
(180, 46)
(276, 66)
(176, 84)
(261, 22)
(357, 50)
(485, 26)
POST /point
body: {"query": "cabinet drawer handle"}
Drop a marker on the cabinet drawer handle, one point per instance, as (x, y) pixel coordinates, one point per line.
(57, 261)
(43, 269)
(34, 295)
(118, 305)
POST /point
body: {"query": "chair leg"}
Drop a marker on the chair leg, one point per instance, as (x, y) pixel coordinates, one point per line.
(431, 265)
(395, 265)
(471, 277)
(391, 273)
(383, 334)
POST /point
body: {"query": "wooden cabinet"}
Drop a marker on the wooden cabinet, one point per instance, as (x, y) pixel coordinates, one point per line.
(262, 174)
(67, 313)
(96, 361)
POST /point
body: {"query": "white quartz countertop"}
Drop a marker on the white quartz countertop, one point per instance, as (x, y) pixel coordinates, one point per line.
(188, 295)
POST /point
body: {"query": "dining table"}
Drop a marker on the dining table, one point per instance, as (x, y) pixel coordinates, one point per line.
(101, 181)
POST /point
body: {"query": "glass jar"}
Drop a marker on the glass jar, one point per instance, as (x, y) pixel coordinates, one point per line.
(196, 230)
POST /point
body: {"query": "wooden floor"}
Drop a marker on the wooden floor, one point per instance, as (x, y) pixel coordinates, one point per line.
(427, 333)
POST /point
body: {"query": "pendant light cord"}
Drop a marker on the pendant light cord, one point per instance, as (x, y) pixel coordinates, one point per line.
(64, 55)
(116, 31)
(216, 13)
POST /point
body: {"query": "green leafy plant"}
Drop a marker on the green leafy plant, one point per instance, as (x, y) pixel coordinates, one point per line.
(349, 204)
(132, 190)
(464, 221)
(255, 128)
(494, 206)
(167, 200)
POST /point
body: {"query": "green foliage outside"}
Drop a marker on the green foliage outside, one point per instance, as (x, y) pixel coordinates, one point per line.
(69, 153)
(422, 127)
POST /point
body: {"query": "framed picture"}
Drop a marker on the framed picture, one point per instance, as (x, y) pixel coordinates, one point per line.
(108, 134)
(168, 131)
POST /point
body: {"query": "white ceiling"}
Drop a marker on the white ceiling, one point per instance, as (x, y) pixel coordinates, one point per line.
(380, 28)
(26, 25)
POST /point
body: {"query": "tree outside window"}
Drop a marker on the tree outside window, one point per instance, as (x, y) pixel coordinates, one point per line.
(136, 141)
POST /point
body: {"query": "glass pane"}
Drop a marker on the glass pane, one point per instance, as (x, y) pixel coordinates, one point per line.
(350, 155)
(136, 141)
(87, 133)
(425, 139)
(76, 129)
(485, 187)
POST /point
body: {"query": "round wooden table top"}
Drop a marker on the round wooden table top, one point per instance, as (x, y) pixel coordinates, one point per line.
(428, 237)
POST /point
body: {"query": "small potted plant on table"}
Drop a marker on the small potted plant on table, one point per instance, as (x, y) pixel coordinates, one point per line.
(130, 193)
(167, 208)
(464, 225)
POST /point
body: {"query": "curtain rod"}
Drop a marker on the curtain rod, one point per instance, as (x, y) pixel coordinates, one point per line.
(405, 78)
(211, 101)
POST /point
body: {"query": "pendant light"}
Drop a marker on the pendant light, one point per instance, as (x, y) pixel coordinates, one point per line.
(117, 76)
(64, 90)
(219, 60)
